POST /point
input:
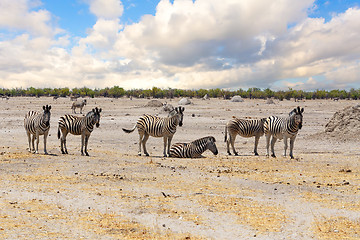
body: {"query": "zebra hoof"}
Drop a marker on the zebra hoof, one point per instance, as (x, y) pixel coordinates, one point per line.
(146, 154)
(86, 154)
(236, 154)
(256, 154)
(273, 155)
(291, 156)
(139, 154)
(229, 153)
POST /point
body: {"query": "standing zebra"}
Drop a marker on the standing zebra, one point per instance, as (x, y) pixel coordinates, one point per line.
(194, 149)
(149, 125)
(283, 128)
(78, 105)
(78, 126)
(37, 124)
(245, 128)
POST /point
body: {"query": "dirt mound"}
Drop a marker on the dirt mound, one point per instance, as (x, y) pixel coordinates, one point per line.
(237, 98)
(345, 123)
(154, 103)
(184, 101)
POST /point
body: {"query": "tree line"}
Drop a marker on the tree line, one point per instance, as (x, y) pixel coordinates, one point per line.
(116, 92)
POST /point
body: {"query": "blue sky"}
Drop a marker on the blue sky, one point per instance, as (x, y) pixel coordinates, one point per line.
(302, 44)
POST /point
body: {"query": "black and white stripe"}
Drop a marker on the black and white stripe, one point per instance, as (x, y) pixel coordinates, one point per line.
(149, 125)
(78, 126)
(283, 128)
(78, 105)
(245, 128)
(37, 124)
(194, 149)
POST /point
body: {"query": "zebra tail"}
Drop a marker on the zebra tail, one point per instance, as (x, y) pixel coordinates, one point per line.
(129, 130)
(58, 133)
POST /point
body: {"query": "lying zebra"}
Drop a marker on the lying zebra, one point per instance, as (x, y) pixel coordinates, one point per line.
(78, 105)
(245, 128)
(37, 124)
(283, 128)
(78, 126)
(194, 149)
(149, 125)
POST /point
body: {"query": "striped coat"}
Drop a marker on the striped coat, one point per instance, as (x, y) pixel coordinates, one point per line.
(78, 126)
(283, 128)
(194, 149)
(245, 128)
(149, 125)
(37, 124)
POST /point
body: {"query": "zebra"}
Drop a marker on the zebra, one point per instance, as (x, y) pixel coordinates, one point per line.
(245, 128)
(169, 108)
(37, 124)
(194, 149)
(283, 128)
(78, 105)
(78, 126)
(149, 125)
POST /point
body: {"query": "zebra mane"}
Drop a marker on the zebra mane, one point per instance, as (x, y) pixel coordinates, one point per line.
(211, 138)
(89, 114)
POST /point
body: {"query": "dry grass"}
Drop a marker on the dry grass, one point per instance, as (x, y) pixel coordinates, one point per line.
(337, 228)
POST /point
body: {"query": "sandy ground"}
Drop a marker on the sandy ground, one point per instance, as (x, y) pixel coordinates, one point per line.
(115, 194)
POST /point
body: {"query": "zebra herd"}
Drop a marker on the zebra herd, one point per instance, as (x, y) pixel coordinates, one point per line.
(273, 127)
(37, 123)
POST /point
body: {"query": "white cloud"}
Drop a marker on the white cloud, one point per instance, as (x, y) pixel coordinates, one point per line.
(187, 44)
(17, 14)
(108, 9)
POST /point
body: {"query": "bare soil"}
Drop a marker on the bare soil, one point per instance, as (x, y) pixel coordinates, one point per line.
(115, 194)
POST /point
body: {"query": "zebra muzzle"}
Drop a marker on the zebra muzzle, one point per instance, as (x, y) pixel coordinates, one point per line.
(97, 125)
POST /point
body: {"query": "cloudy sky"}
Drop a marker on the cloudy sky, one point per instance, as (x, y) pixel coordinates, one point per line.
(188, 44)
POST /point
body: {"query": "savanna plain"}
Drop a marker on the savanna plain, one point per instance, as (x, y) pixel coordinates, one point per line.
(116, 194)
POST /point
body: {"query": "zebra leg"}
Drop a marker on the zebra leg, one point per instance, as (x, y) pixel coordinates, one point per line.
(257, 137)
(273, 141)
(267, 144)
(232, 141)
(29, 140)
(165, 143)
(141, 135)
(146, 137)
(285, 145)
(37, 142)
(63, 138)
(45, 138)
(169, 145)
(292, 141)
(86, 144)
(82, 144)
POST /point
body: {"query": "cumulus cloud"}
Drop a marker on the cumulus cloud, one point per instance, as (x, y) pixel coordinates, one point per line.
(17, 14)
(107, 9)
(187, 44)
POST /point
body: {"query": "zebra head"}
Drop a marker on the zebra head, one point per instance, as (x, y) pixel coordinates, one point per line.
(46, 115)
(96, 116)
(179, 115)
(297, 115)
(211, 145)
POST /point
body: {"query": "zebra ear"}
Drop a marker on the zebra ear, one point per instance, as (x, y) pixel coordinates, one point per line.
(43, 107)
(302, 110)
(100, 110)
(49, 107)
(182, 109)
(93, 110)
